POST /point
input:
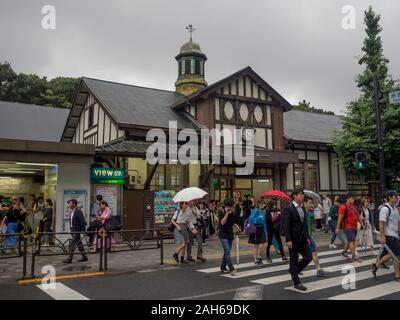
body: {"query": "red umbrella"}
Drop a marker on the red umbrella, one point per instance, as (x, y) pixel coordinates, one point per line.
(277, 195)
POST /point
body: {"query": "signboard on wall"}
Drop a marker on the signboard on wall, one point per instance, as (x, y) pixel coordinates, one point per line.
(110, 195)
(80, 196)
(107, 176)
(164, 208)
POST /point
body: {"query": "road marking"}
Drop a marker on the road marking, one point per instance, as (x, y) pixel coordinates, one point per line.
(62, 292)
(146, 270)
(250, 293)
(277, 260)
(336, 281)
(260, 270)
(309, 273)
(203, 295)
(370, 292)
(69, 276)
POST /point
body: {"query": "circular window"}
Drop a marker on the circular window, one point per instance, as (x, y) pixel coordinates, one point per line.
(228, 108)
(258, 114)
(244, 112)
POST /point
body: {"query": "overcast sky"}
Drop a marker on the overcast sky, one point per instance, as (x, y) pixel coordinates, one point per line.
(298, 46)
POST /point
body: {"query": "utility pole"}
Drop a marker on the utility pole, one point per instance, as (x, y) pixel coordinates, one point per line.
(382, 182)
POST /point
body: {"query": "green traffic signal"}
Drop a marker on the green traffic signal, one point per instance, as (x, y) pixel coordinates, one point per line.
(360, 165)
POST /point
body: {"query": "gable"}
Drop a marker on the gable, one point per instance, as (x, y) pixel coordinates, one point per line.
(244, 83)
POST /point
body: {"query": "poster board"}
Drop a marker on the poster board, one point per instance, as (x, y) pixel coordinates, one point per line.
(80, 196)
(164, 208)
(110, 195)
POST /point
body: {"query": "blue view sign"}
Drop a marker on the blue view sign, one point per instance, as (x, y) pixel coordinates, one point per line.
(394, 97)
(108, 176)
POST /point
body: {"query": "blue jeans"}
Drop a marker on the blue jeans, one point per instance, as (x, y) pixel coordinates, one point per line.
(226, 259)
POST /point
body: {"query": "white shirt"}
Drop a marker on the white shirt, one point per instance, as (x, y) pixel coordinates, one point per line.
(392, 227)
(72, 216)
(327, 204)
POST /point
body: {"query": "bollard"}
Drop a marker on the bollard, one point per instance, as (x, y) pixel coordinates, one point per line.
(161, 248)
(101, 251)
(105, 240)
(24, 258)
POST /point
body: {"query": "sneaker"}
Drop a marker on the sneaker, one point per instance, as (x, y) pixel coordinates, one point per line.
(374, 269)
(183, 260)
(345, 254)
(202, 259)
(232, 272)
(322, 273)
(384, 266)
(225, 270)
(259, 262)
(285, 259)
(332, 246)
(175, 256)
(269, 260)
(357, 259)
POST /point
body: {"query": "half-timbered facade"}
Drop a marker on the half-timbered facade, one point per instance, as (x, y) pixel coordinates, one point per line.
(291, 148)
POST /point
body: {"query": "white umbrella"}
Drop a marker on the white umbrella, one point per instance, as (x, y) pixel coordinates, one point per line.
(313, 195)
(189, 194)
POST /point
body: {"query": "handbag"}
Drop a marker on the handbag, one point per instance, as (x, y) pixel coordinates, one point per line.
(172, 226)
(249, 228)
(113, 224)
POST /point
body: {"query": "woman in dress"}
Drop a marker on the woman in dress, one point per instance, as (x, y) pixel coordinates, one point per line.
(259, 238)
(365, 237)
(103, 217)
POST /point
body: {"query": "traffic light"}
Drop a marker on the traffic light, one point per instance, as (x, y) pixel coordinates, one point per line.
(360, 160)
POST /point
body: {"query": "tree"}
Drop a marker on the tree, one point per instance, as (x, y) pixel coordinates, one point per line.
(7, 79)
(359, 124)
(305, 106)
(30, 88)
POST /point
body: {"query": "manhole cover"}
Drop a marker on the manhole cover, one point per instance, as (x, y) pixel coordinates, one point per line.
(77, 268)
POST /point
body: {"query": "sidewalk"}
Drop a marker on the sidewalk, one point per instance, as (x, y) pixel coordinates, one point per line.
(139, 261)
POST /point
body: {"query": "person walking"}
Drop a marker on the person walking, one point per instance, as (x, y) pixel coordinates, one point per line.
(334, 215)
(348, 215)
(295, 231)
(47, 221)
(309, 206)
(273, 217)
(318, 216)
(197, 223)
(77, 226)
(10, 224)
(326, 205)
(259, 238)
(226, 234)
(182, 219)
(204, 216)
(365, 236)
(389, 220)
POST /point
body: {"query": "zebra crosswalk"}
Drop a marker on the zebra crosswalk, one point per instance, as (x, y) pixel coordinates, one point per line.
(346, 281)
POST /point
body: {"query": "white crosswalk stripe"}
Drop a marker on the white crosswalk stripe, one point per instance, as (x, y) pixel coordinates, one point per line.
(275, 274)
(371, 292)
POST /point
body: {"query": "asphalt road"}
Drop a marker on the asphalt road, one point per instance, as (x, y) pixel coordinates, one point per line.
(199, 281)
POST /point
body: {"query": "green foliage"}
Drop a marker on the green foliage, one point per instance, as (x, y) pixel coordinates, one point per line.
(305, 106)
(30, 88)
(359, 124)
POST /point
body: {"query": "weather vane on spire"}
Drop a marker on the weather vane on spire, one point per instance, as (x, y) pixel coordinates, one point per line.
(190, 29)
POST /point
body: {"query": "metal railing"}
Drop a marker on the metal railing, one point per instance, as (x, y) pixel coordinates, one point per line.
(100, 242)
(20, 249)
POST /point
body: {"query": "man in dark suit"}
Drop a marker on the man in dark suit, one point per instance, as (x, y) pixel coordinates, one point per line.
(295, 230)
(78, 224)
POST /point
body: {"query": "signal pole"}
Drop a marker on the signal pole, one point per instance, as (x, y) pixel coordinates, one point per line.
(382, 178)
